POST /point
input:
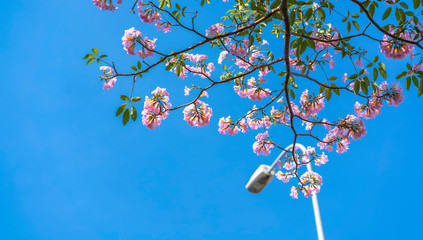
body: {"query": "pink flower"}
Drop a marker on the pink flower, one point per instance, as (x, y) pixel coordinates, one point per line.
(156, 108)
(395, 95)
(109, 84)
(222, 56)
(241, 91)
(186, 91)
(345, 77)
(198, 114)
(148, 48)
(369, 110)
(279, 116)
(226, 126)
(396, 49)
(323, 159)
(311, 182)
(332, 64)
(257, 94)
(294, 193)
(289, 165)
(106, 5)
(214, 29)
(283, 176)
(128, 40)
(358, 62)
(360, 131)
(263, 144)
(327, 55)
(264, 71)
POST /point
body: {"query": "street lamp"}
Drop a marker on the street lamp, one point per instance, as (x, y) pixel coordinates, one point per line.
(264, 174)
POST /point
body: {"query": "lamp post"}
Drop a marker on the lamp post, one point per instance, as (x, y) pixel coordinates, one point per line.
(264, 174)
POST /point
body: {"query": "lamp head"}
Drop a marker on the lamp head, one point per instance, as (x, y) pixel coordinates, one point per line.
(259, 180)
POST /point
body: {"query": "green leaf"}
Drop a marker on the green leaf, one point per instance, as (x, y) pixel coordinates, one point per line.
(133, 114)
(124, 98)
(90, 61)
(372, 10)
(126, 116)
(328, 94)
(404, 5)
(387, 13)
(333, 78)
(136, 99)
(89, 55)
(250, 40)
(415, 81)
(177, 6)
(382, 65)
(356, 25)
(322, 89)
(364, 88)
(383, 73)
(95, 51)
(134, 68)
(292, 93)
(103, 56)
(120, 109)
(321, 14)
(416, 3)
(335, 90)
(292, 17)
(408, 83)
(375, 58)
(356, 87)
(420, 91)
(139, 65)
(375, 74)
(348, 27)
(355, 15)
(401, 75)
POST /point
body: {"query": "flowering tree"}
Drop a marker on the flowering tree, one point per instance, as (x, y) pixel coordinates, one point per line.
(247, 62)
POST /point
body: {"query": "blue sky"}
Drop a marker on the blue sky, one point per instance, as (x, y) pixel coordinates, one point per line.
(70, 170)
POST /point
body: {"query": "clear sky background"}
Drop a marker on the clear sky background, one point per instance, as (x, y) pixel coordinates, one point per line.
(70, 170)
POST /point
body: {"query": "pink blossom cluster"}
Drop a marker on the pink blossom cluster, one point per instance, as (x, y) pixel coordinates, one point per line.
(310, 104)
(228, 126)
(129, 40)
(280, 116)
(393, 96)
(325, 36)
(311, 155)
(151, 16)
(214, 29)
(263, 144)
(329, 59)
(311, 183)
(396, 49)
(198, 114)
(351, 127)
(200, 69)
(155, 109)
(299, 64)
(106, 5)
(252, 89)
(238, 49)
(284, 177)
(108, 83)
(255, 123)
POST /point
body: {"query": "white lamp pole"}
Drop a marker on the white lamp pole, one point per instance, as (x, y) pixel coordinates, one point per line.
(264, 174)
